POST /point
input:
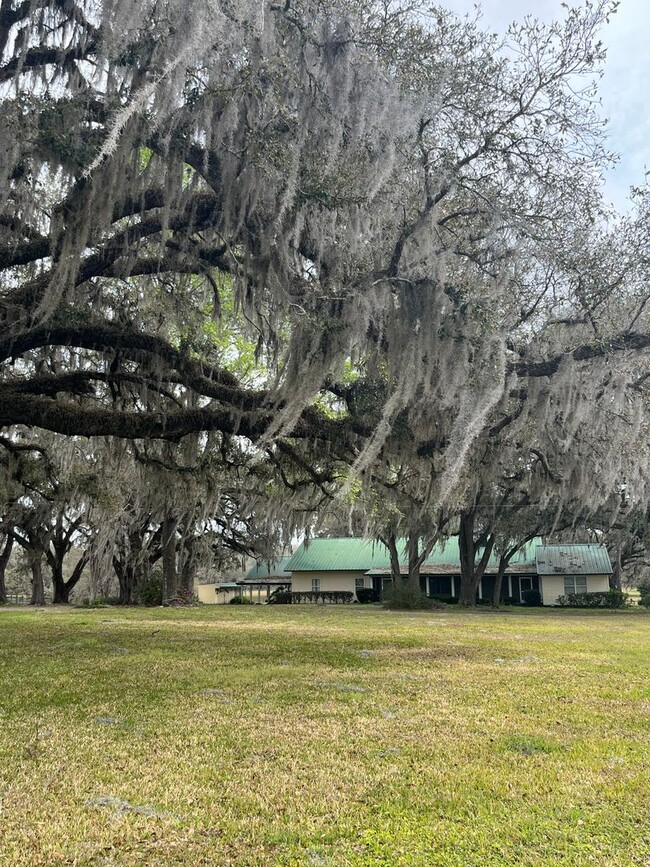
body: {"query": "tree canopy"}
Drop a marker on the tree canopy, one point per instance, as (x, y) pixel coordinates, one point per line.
(335, 237)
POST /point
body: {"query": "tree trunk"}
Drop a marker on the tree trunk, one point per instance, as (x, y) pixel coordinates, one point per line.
(615, 577)
(188, 568)
(168, 544)
(415, 562)
(395, 567)
(131, 565)
(504, 562)
(468, 585)
(38, 590)
(60, 594)
(127, 580)
(63, 588)
(498, 581)
(4, 560)
(471, 572)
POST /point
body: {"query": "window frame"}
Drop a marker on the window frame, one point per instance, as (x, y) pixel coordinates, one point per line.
(577, 582)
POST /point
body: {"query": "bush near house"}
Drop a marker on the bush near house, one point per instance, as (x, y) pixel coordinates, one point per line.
(603, 599)
(295, 597)
(240, 600)
(645, 600)
(366, 595)
(150, 592)
(404, 597)
(532, 598)
(323, 596)
(280, 597)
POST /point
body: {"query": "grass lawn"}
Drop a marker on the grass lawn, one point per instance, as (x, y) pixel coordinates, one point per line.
(324, 736)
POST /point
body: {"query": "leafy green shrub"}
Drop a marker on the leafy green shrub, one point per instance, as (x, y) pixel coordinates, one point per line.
(241, 600)
(281, 597)
(645, 600)
(404, 597)
(510, 600)
(600, 599)
(365, 595)
(100, 602)
(643, 587)
(323, 596)
(531, 598)
(446, 600)
(150, 591)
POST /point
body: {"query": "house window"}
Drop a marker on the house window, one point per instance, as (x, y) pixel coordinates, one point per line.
(575, 584)
(359, 584)
(440, 585)
(315, 585)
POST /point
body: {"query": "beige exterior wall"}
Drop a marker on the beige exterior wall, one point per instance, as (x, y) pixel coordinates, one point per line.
(301, 581)
(552, 586)
(208, 595)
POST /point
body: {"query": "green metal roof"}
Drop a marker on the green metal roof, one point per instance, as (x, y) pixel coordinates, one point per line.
(573, 560)
(338, 555)
(265, 569)
(352, 555)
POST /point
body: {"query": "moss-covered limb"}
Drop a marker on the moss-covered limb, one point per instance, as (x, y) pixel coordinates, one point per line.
(36, 58)
(627, 341)
(135, 345)
(36, 246)
(195, 215)
(72, 419)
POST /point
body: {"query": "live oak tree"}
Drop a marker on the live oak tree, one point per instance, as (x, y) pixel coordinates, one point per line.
(374, 185)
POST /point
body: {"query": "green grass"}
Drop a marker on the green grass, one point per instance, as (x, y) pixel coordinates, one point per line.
(324, 736)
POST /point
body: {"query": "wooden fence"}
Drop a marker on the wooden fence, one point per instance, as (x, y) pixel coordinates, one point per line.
(23, 599)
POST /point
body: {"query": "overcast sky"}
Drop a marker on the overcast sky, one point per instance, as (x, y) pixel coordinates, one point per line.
(624, 88)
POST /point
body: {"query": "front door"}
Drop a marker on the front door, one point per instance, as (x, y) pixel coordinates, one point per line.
(526, 583)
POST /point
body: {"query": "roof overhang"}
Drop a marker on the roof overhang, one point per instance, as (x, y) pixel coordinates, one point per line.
(454, 569)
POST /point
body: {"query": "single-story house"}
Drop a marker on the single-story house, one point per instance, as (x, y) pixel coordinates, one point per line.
(351, 564)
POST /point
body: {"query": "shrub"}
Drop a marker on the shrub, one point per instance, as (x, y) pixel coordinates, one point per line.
(531, 598)
(281, 597)
(182, 598)
(366, 595)
(241, 600)
(601, 599)
(644, 587)
(510, 600)
(446, 600)
(323, 596)
(404, 597)
(645, 600)
(100, 602)
(150, 591)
